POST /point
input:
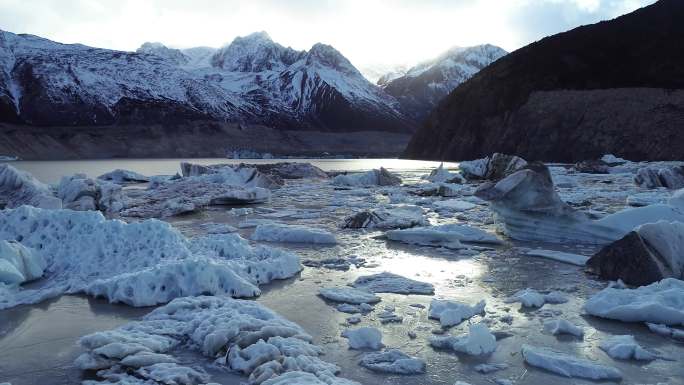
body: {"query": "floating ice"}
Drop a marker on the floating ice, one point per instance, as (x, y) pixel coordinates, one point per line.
(451, 313)
(489, 368)
(393, 361)
(492, 167)
(348, 295)
(671, 177)
(442, 175)
(449, 236)
(21, 188)
(381, 177)
(478, 341)
(567, 365)
(625, 347)
(573, 259)
(278, 232)
(364, 338)
(245, 335)
(561, 326)
(79, 192)
(666, 331)
(453, 205)
(392, 283)
(660, 303)
(142, 263)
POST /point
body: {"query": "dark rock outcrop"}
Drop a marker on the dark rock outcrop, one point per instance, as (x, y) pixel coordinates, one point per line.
(611, 87)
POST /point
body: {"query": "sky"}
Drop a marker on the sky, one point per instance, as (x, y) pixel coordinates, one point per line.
(368, 32)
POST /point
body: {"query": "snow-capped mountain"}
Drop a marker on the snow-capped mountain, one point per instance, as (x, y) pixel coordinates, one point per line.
(252, 80)
(424, 85)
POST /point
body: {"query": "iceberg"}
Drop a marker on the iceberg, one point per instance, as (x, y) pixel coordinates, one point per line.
(21, 188)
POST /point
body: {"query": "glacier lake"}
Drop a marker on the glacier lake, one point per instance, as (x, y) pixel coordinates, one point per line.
(38, 342)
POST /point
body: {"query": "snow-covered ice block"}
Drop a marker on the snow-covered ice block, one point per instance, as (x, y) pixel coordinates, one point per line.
(19, 264)
(348, 295)
(448, 235)
(392, 283)
(567, 365)
(278, 232)
(247, 337)
(561, 326)
(21, 188)
(478, 341)
(571, 258)
(364, 338)
(625, 347)
(450, 313)
(393, 361)
(124, 176)
(142, 263)
(660, 303)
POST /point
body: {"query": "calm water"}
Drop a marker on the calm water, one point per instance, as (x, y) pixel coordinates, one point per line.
(53, 171)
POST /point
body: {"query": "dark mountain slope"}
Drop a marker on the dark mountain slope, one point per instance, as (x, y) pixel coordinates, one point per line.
(615, 86)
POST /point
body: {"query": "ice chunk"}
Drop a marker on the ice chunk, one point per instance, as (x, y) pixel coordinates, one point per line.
(442, 175)
(79, 192)
(573, 259)
(449, 235)
(392, 283)
(364, 338)
(248, 336)
(381, 177)
(625, 347)
(124, 176)
(478, 341)
(141, 263)
(19, 263)
(660, 303)
(561, 326)
(393, 361)
(348, 295)
(21, 188)
(492, 167)
(567, 365)
(451, 313)
(277, 232)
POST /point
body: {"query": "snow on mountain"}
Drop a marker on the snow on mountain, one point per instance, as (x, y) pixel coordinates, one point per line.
(375, 73)
(424, 85)
(251, 80)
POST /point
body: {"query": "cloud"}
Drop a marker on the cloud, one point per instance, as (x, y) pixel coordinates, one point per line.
(368, 32)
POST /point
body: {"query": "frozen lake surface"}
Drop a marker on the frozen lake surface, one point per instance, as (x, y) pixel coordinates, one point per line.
(38, 342)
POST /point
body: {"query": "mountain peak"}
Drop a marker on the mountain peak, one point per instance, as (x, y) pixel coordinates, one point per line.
(162, 51)
(255, 52)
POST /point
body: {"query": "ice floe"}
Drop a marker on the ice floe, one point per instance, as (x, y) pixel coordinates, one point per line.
(393, 361)
(571, 258)
(244, 335)
(492, 167)
(490, 368)
(392, 283)
(666, 331)
(659, 303)
(478, 341)
(78, 192)
(567, 365)
(442, 175)
(141, 264)
(348, 295)
(451, 205)
(448, 235)
(278, 232)
(364, 338)
(671, 177)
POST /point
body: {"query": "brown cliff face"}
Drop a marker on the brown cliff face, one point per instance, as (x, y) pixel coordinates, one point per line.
(612, 87)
